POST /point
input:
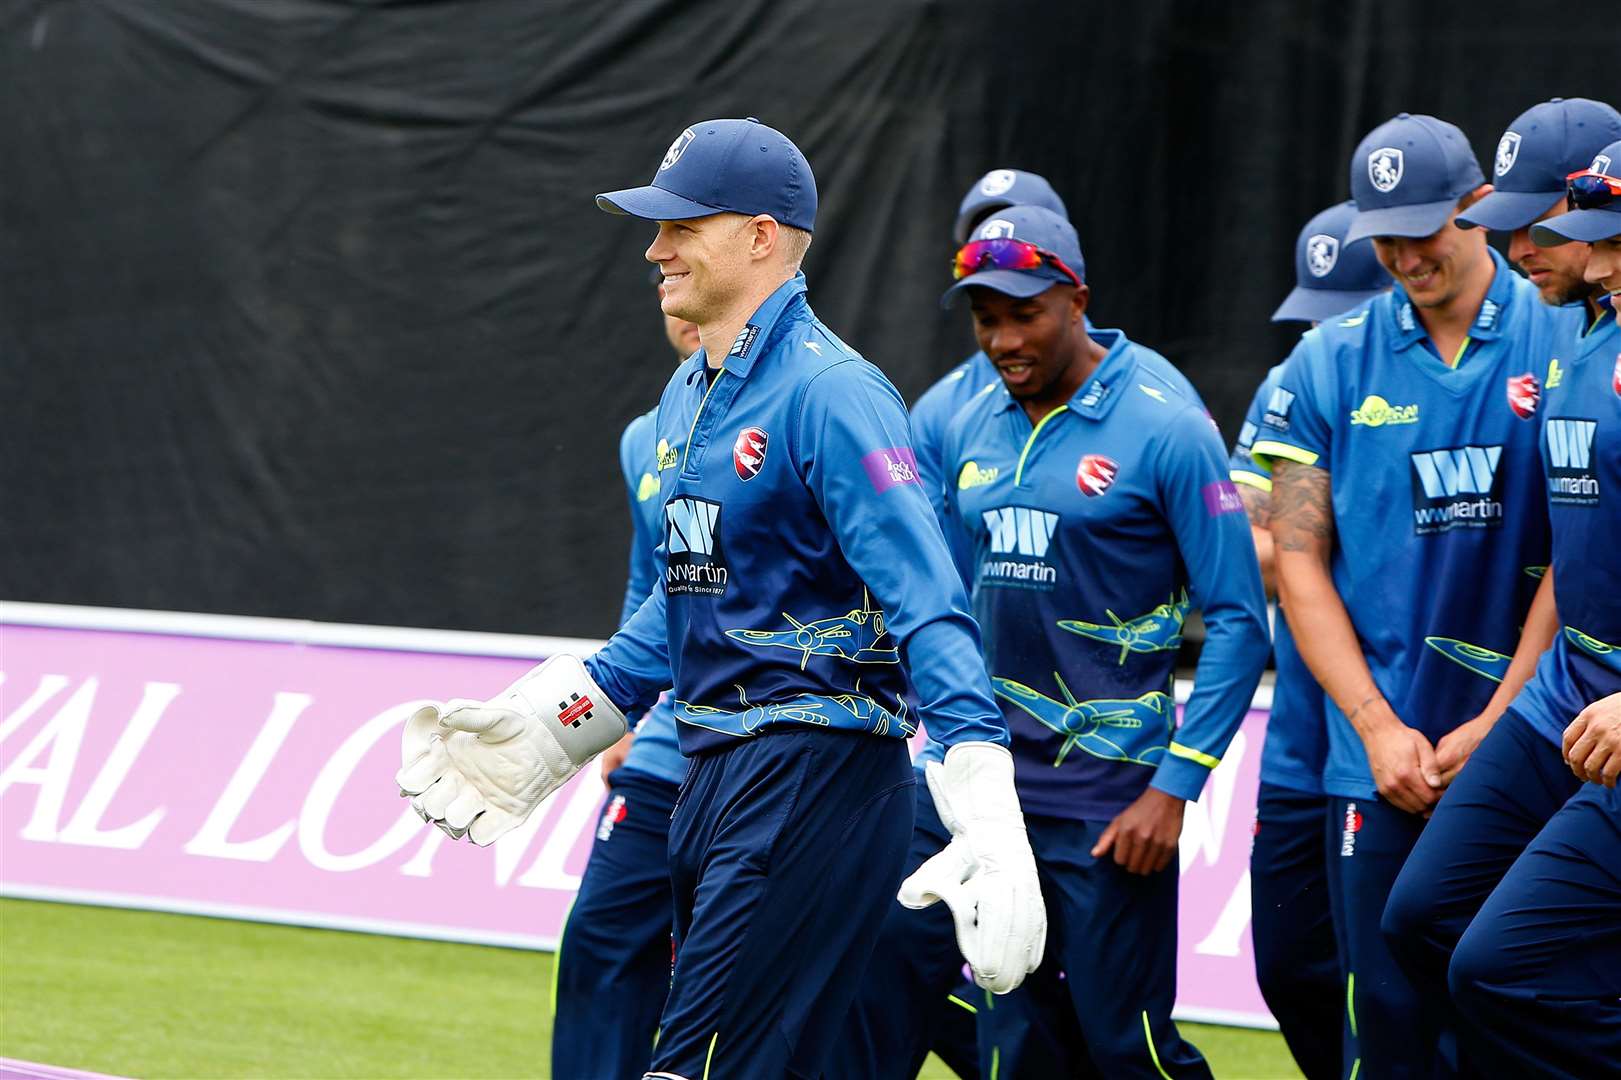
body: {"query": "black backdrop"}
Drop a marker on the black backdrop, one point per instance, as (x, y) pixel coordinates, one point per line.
(305, 309)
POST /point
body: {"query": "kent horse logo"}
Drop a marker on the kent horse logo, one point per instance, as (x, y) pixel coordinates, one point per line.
(1322, 252)
(1524, 392)
(748, 452)
(1508, 151)
(1385, 168)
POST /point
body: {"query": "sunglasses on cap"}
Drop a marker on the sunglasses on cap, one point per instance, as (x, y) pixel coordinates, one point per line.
(1589, 190)
(1004, 253)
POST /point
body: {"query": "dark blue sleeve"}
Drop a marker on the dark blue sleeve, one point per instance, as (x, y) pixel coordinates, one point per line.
(1213, 537)
(853, 447)
(634, 456)
(1297, 421)
(1242, 468)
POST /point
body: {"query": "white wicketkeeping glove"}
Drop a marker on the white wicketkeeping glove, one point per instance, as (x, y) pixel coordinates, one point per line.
(480, 768)
(986, 875)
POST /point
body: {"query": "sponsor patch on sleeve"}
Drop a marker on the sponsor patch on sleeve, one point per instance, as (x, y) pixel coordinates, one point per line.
(1221, 497)
(888, 468)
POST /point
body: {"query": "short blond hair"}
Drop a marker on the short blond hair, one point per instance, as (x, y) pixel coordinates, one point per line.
(794, 243)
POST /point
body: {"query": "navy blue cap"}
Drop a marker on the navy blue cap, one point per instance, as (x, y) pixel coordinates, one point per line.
(1407, 175)
(1545, 144)
(1587, 226)
(725, 166)
(1039, 226)
(1004, 187)
(1331, 276)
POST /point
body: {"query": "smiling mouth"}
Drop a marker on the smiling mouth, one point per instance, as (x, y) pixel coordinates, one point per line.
(1420, 281)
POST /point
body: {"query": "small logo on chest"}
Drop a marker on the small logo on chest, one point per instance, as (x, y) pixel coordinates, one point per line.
(748, 452)
(1524, 392)
(1095, 474)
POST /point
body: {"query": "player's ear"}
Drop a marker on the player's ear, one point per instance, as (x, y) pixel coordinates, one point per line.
(764, 236)
(1078, 304)
(1470, 198)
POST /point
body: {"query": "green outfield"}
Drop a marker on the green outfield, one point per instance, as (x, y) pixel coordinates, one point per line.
(149, 995)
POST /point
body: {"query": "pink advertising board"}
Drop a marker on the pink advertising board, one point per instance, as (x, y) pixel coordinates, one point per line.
(243, 768)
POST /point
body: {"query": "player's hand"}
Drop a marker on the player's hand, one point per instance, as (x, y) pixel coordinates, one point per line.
(1144, 835)
(987, 874)
(615, 755)
(1403, 764)
(1592, 742)
(487, 765)
(1452, 752)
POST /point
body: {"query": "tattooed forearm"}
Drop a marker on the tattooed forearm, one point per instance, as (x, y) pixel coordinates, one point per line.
(1302, 508)
(1257, 505)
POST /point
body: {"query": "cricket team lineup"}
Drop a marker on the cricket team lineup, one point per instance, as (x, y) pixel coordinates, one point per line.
(818, 571)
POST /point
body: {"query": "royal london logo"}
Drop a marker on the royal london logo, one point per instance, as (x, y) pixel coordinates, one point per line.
(1572, 480)
(668, 456)
(1556, 374)
(1375, 411)
(973, 475)
(1020, 537)
(696, 563)
(1456, 488)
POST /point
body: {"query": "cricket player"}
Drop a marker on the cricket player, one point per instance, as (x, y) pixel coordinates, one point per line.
(1409, 531)
(613, 962)
(805, 579)
(1517, 778)
(1536, 976)
(1296, 958)
(1096, 498)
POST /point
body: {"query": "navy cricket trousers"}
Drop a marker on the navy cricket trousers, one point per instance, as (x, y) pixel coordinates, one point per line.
(1514, 782)
(613, 964)
(785, 852)
(1112, 935)
(1296, 959)
(1537, 976)
(904, 1006)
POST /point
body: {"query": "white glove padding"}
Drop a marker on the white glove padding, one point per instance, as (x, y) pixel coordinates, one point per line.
(487, 765)
(986, 875)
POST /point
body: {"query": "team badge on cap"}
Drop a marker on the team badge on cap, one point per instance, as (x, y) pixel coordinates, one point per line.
(1601, 164)
(994, 230)
(1508, 151)
(1095, 474)
(748, 452)
(673, 154)
(1322, 252)
(1385, 168)
(997, 181)
(1524, 393)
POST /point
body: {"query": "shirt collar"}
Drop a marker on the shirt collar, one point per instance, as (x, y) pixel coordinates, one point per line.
(750, 341)
(1489, 320)
(1098, 394)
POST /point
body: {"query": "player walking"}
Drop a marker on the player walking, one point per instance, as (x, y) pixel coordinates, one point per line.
(803, 568)
(1408, 524)
(1517, 778)
(1096, 498)
(613, 962)
(1537, 975)
(1296, 958)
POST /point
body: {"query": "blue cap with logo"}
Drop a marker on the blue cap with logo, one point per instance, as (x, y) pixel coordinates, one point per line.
(1545, 144)
(1036, 225)
(1331, 276)
(725, 166)
(1407, 175)
(1593, 224)
(1004, 187)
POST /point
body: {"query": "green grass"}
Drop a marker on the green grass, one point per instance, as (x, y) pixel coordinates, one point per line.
(150, 995)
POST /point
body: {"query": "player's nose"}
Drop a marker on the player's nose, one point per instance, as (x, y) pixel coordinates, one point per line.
(1520, 245)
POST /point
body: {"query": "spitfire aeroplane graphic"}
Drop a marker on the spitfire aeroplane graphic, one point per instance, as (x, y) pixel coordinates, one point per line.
(1606, 654)
(1482, 661)
(1115, 729)
(1159, 630)
(874, 718)
(858, 636)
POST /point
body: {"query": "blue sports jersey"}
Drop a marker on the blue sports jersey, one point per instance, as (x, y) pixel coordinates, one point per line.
(655, 750)
(1094, 533)
(801, 561)
(1581, 458)
(1441, 527)
(1296, 744)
